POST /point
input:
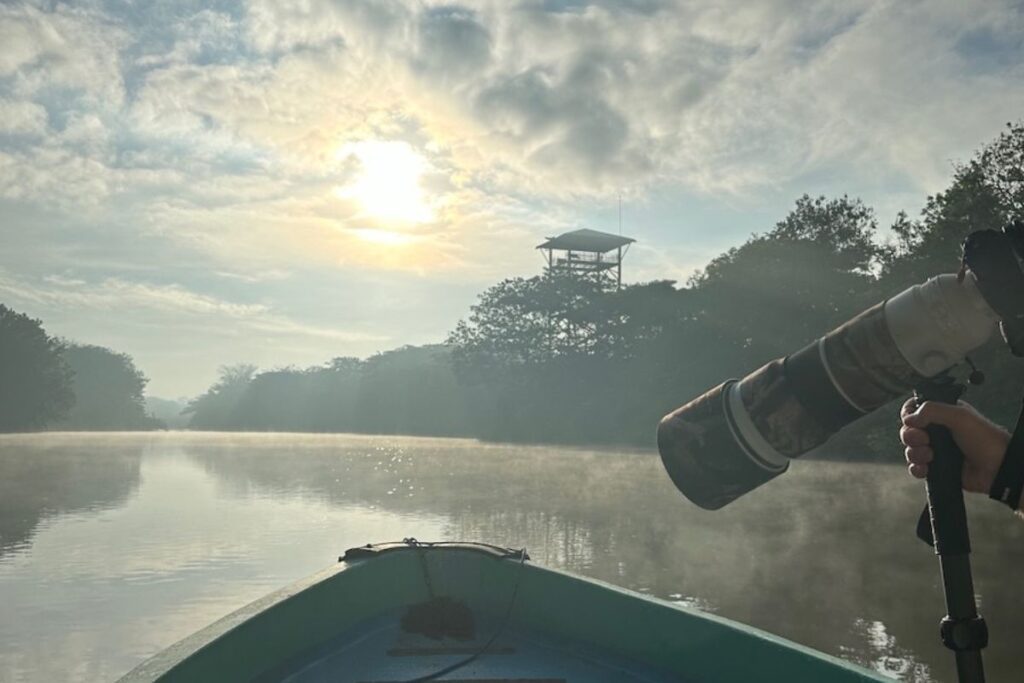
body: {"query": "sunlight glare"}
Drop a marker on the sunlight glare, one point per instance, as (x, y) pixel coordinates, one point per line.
(388, 186)
(382, 236)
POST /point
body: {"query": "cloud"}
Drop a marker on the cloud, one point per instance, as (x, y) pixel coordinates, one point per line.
(169, 142)
(187, 112)
(115, 295)
(21, 118)
(581, 97)
(451, 45)
(53, 174)
(553, 98)
(68, 49)
(556, 99)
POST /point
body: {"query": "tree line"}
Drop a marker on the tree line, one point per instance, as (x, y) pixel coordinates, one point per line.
(560, 359)
(46, 382)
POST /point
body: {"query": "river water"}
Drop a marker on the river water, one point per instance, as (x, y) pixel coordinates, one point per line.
(113, 546)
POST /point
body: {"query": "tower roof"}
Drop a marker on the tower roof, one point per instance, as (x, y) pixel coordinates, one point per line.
(586, 239)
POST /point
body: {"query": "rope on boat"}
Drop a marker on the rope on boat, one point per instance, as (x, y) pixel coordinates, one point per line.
(501, 627)
(423, 564)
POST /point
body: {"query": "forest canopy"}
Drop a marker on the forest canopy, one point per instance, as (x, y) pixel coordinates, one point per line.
(35, 380)
(49, 382)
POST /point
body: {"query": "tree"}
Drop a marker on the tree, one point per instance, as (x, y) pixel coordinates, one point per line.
(108, 390)
(411, 390)
(1002, 166)
(558, 358)
(35, 381)
(527, 320)
(986, 192)
(334, 395)
(276, 400)
(218, 407)
(782, 289)
(844, 228)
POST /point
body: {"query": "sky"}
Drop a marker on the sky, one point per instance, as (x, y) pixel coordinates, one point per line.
(280, 182)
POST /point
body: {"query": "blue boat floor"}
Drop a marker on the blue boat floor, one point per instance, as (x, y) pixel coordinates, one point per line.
(380, 652)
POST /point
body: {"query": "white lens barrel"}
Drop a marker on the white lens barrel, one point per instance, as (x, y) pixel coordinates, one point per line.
(937, 323)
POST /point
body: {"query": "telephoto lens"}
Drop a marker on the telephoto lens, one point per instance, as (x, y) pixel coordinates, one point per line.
(744, 432)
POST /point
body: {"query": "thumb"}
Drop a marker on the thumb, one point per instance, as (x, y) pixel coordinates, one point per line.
(932, 412)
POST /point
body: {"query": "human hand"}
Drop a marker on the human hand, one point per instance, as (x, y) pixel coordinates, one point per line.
(983, 442)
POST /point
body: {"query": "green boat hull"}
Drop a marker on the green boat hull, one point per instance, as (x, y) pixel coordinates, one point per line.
(396, 612)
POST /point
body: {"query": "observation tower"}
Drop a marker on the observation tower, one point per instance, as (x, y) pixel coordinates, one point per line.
(588, 253)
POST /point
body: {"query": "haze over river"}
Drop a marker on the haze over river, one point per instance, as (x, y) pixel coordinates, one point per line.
(113, 546)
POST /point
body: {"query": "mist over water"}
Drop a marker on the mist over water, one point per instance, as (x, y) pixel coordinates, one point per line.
(113, 546)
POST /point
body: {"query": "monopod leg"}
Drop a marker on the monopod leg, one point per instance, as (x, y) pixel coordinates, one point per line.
(962, 630)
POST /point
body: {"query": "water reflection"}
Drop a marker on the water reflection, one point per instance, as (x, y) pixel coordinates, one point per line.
(825, 555)
(889, 657)
(37, 486)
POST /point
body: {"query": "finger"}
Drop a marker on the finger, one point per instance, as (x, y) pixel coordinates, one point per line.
(931, 412)
(919, 455)
(918, 471)
(912, 436)
(909, 406)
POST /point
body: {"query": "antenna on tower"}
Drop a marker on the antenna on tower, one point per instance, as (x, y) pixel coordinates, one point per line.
(620, 212)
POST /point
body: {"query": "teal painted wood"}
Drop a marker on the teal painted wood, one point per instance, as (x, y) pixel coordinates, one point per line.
(579, 618)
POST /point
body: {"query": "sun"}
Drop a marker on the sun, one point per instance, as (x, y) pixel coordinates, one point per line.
(385, 237)
(388, 186)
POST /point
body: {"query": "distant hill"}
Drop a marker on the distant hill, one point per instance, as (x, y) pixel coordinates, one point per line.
(167, 411)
